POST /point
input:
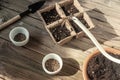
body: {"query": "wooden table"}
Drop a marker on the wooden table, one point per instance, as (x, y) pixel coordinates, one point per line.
(24, 63)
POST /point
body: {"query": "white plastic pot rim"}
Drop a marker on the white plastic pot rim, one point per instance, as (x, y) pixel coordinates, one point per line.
(17, 30)
(52, 56)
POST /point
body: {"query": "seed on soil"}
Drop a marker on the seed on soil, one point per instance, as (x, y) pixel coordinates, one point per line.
(52, 65)
(69, 9)
(100, 68)
(50, 16)
(19, 37)
(60, 32)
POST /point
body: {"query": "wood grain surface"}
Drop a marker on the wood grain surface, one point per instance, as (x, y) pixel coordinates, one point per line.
(24, 63)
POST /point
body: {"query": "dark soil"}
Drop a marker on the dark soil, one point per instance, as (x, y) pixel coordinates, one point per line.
(69, 9)
(20, 37)
(50, 16)
(76, 27)
(115, 56)
(100, 68)
(60, 32)
(52, 65)
(0, 4)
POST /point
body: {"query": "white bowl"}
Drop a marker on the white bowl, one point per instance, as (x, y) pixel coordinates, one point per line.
(52, 56)
(16, 31)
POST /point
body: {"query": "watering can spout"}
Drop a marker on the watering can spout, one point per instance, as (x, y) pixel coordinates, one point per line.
(93, 39)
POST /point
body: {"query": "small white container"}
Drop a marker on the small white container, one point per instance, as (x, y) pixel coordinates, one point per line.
(16, 31)
(52, 56)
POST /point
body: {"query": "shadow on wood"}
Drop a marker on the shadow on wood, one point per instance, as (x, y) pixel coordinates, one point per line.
(69, 69)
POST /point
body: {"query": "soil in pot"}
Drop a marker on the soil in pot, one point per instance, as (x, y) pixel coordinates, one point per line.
(19, 37)
(52, 65)
(50, 16)
(76, 27)
(69, 9)
(60, 32)
(100, 68)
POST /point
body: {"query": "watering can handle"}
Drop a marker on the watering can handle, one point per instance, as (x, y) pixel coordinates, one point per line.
(97, 44)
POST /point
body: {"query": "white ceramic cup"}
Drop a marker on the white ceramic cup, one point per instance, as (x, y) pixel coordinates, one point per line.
(52, 56)
(16, 31)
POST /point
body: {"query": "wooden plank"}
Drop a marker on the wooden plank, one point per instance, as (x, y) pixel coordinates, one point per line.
(83, 42)
(10, 55)
(115, 43)
(22, 5)
(114, 22)
(20, 60)
(114, 4)
(100, 24)
(36, 44)
(18, 6)
(42, 44)
(90, 15)
(107, 10)
(44, 47)
(33, 30)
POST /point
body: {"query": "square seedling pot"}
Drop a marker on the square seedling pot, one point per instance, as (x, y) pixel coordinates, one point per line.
(50, 15)
(85, 19)
(71, 7)
(61, 33)
(54, 15)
